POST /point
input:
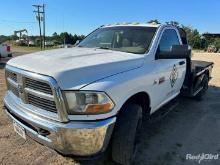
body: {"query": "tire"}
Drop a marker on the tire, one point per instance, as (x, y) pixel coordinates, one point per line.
(205, 85)
(124, 136)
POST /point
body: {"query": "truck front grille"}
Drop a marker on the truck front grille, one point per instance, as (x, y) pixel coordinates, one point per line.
(12, 76)
(34, 92)
(13, 89)
(42, 103)
(38, 86)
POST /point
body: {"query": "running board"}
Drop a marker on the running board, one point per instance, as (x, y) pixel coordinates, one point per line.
(164, 111)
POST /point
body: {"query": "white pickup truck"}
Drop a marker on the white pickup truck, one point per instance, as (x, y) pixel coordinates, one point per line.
(5, 50)
(81, 100)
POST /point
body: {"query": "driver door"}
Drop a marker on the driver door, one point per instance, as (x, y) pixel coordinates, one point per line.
(171, 72)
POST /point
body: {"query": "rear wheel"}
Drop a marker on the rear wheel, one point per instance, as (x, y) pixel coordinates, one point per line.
(124, 141)
(205, 85)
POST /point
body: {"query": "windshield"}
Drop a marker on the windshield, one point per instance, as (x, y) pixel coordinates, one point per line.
(126, 39)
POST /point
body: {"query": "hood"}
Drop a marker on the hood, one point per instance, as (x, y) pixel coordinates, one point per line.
(74, 68)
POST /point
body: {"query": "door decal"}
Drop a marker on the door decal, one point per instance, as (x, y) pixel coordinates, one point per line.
(173, 76)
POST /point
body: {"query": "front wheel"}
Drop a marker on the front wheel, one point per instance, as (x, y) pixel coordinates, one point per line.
(124, 137)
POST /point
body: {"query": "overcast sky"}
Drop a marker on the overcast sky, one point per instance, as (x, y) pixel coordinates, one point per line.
(83, 16)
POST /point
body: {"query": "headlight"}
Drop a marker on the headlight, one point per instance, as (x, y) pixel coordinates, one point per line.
(82, 102)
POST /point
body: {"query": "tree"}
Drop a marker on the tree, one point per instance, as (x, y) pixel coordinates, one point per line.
(54, 34)
(174, 23)
(154, 21)
(75, 38)
(194, 38)
(14, 37)
(4, 38)
(56, 38)
(217, 43)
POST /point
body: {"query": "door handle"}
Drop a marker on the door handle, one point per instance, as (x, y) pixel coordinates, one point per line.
(181, 62)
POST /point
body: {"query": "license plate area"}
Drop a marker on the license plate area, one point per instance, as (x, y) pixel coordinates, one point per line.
(19, 130)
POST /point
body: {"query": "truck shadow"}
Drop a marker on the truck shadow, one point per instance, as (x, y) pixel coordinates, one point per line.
(186, 129)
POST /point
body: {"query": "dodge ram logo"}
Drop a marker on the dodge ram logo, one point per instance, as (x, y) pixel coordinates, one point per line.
(173, 76)
(20, 89)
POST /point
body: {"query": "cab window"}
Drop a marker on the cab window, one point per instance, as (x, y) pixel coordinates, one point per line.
(128, 39)
(168, 39)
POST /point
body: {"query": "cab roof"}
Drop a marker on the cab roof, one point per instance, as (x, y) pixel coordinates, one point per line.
(136, 24)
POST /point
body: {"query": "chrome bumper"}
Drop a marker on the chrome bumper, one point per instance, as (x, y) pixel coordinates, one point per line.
(71, 138)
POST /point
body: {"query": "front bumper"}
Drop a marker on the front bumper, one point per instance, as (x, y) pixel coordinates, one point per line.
(71, 138)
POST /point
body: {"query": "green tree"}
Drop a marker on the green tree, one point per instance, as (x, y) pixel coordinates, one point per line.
(54, 34)
(194, 38)
(14, 37)
(154, 21)
(217, 42)
(56, 38)
(174, 23)
(4, 38)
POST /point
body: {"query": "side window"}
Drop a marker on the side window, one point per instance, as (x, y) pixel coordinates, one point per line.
(168, 39)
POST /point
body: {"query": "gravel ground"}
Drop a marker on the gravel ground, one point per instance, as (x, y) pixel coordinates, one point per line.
(191, 128)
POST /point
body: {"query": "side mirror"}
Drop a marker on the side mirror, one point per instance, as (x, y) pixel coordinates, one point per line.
(176, 52)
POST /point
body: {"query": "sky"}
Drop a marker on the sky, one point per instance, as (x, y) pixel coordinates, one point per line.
(83, 16)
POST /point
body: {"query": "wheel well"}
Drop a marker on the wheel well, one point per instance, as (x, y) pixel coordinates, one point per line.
(142, 99)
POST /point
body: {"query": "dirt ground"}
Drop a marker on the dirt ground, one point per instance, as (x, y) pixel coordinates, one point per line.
(191, 128)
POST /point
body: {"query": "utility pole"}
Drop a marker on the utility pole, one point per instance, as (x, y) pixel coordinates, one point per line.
(41, 17)
(44, 24)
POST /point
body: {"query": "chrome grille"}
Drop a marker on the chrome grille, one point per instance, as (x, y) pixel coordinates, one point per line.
(42, 103)
(33, 92)
(38, 86)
